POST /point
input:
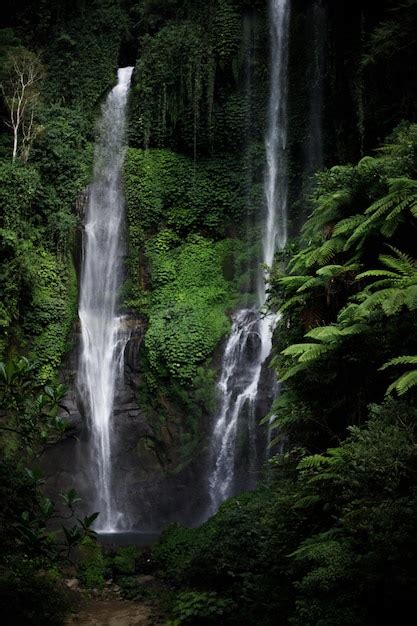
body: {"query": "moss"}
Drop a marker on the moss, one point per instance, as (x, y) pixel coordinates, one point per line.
(52, 309)
(164, 188)
(187, 315)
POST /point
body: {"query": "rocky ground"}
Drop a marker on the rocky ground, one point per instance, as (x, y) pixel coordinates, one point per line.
(114, 612)
(109, 608)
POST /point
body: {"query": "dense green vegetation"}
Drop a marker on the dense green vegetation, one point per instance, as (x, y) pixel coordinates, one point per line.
(190, 91)
(45, 163)
(188, 267)
(38, 536)
(329, 537)
(182, 280)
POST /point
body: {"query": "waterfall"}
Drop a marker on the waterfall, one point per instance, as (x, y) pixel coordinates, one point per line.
(101, 359)
(250, 340)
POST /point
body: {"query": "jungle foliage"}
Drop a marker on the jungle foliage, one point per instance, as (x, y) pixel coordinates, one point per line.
(183, 270)
(38, 536)
(45, 162)
(328, 540)
(348, 295)
(329, 537)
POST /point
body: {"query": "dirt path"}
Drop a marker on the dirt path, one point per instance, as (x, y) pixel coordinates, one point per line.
(114, 613)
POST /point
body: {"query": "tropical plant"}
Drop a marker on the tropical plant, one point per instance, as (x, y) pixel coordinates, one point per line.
(404, 383)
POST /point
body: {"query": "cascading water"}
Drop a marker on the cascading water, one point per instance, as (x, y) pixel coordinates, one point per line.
(250, 340)
(101, 360)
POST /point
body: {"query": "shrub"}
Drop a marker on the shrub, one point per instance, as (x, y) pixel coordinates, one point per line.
(92, 567)
(125, 560)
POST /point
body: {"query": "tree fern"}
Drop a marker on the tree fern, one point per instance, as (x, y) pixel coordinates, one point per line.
(289, 372)
(401, 197)
(309, 284)
(403, 383)
(400, 360)
(320, 547)
(348, 225)
(408, 380)
(293, 282)
(314, 461)
(331, 271)
(393, 288)
(290, 303)
(326, 252)
(305, 352)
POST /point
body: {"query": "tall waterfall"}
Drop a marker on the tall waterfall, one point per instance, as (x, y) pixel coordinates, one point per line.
(101, 360)
(250, 340)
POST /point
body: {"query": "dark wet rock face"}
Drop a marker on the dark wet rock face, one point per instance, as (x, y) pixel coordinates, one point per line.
(151, 485)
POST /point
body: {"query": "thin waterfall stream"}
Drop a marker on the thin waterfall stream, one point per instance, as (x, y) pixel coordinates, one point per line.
(101, 360)
(250, 341)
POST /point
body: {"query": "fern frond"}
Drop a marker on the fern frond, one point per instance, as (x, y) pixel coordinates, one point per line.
(372, 301)
(307, 501)
(402, 184)
(329, 271)
(367, 163)
(410, 300)
(325, 334)
(350, 313)
(376, 274)
(309, 284)
(293, 282)
(401, 265)
(400, 360)
(314, 352)
(348, 225)
(380, 207)
(411, 261)
(403, 383)
(299, 261)
(313, 461)
(359, 233)
(393, 304)
(354, 329)
(389, 226)
(318, 548)
(323, 476)
(292, 371)
(325, 253)
(288, 304)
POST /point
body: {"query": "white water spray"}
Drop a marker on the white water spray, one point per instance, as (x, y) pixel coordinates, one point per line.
(250, 340)
(101, 360)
